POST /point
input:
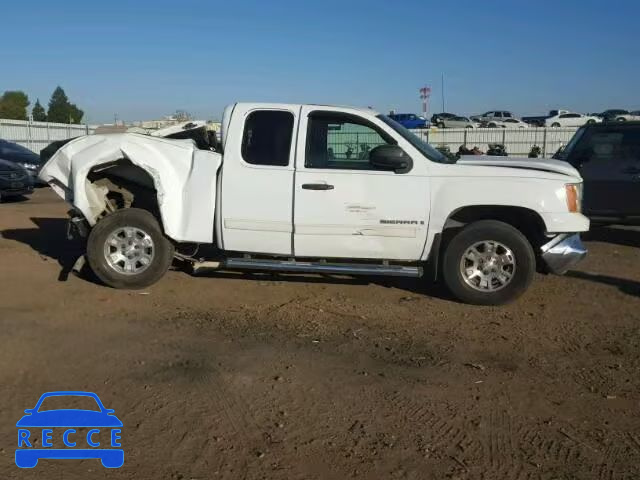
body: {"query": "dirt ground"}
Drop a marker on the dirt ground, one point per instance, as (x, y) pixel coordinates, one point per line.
(303, 377)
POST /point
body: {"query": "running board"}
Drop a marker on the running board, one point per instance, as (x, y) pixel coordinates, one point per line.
(321, 267)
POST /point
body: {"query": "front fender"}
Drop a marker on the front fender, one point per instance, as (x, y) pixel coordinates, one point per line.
(544, 196)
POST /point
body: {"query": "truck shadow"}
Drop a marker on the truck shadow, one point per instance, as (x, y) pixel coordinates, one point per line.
(630, 287)
(419, 286)
(49, 239)
(626, 236)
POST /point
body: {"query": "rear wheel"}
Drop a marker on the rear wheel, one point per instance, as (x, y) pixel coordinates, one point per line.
(591, 122)
(127, 249)
(555, 124)
(488, 263)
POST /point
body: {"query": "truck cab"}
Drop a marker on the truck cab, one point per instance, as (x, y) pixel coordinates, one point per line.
(322, 189)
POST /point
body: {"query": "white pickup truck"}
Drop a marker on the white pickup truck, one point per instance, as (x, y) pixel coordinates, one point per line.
(323, 189)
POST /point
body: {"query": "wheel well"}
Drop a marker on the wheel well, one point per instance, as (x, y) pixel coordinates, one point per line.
(121, 184)
(527, 221)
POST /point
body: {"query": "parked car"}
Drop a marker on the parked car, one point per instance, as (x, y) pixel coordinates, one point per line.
(458, 122)
(14, 180)
(437, 119)
(279, 201)
(570, 119)
(613, 114)
(409, 120)
(507, 123)
(538, 121)
(607, 155)
(628, 117)
(12, 152)
(493, 116)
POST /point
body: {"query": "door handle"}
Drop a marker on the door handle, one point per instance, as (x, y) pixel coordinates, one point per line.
(317, 186)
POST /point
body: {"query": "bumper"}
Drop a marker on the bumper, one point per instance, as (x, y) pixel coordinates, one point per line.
(563, 252)
(14, 192)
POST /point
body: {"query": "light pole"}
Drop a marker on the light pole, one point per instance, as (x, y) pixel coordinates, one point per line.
(425, 93)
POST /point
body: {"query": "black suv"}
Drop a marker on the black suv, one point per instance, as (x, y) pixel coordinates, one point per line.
(14, 180)
(608, 158)
(12, 152)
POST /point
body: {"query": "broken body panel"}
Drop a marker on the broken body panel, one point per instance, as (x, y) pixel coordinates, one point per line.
(183, 177)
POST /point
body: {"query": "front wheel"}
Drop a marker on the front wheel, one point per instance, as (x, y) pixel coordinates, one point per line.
(488, 263)
(127, 249)
(555, 125)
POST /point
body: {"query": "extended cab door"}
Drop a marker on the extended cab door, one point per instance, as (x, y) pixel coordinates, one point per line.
(257, 180)
(344, 206)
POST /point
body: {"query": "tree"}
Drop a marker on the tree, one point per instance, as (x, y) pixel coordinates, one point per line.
(38, 113)
(61, 110)
(13, 105)
(75, 114)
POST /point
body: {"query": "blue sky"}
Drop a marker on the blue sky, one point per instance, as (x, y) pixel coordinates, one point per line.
(143, 59)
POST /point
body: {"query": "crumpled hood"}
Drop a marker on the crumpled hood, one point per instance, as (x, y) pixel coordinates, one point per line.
(541, 164)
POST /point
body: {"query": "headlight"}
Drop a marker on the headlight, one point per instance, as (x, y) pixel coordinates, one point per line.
(573, 193)
(30, 166)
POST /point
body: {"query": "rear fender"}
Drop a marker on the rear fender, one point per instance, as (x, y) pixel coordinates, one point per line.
(183, 177)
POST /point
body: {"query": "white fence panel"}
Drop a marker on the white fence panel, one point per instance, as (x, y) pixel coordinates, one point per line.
(518, 142)
(37, 135)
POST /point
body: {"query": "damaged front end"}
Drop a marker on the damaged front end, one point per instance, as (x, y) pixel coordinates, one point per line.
(563, 252)
(77, 228)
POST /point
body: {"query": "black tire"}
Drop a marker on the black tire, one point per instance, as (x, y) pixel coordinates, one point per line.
(488, 230)
(138, 219)
(591, 122)
(555, 125)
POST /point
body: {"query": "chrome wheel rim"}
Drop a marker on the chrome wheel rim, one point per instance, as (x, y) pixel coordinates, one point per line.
(488, 266)
(129, 250)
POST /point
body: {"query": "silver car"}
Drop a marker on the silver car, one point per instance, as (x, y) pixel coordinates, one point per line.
(459, 122)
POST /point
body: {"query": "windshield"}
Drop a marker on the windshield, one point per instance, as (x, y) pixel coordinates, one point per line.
(424, 148)
(564, 153)
(17, 153)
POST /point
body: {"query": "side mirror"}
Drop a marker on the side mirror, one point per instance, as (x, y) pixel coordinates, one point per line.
(29, 410)
(109, 411)
(390, 157)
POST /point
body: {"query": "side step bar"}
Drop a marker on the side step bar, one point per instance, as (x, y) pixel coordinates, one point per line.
(319, 267)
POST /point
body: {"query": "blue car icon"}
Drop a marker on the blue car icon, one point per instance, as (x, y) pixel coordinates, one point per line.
(70, 419)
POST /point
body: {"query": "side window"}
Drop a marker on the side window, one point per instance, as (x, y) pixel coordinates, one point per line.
(267, 138)
(341, 142)
(600, 150)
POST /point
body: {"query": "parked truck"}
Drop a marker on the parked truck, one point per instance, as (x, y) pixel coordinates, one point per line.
(321, 189)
